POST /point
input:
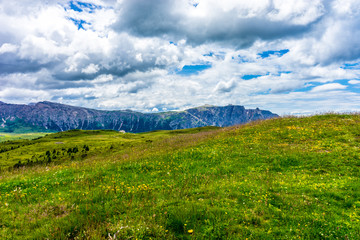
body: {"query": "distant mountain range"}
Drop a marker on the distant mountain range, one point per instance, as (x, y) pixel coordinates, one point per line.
(49, 116)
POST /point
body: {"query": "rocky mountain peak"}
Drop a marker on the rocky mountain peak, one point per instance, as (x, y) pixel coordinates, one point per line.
(59, 117)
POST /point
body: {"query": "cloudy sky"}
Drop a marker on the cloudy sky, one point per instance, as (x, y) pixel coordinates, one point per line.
(287, 56)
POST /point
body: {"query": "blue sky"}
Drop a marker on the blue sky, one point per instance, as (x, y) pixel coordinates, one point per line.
(289, 57)
(269, 53)
(193, 69)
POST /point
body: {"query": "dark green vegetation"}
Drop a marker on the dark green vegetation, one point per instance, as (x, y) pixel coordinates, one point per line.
(18, 126)
(291, 178)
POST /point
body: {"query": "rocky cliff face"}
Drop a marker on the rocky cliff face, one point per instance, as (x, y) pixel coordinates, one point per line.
(59, 117)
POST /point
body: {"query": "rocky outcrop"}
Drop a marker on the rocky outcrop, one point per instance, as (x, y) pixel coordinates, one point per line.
(60, 117)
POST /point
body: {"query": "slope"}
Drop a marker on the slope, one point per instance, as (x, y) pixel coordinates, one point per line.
(290, 178)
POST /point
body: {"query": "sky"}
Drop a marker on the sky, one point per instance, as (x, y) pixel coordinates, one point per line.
(287, 56)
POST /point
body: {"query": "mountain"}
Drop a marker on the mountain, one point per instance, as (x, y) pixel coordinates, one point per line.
(49, 116)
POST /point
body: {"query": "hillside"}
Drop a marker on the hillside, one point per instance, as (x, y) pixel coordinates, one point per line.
(55, 117)
(285, 178)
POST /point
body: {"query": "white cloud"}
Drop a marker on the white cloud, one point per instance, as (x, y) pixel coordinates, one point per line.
(354, 82)
(329, 87)
(122, 56)
(17, 95)
(8, 48)
(90, 69)
(224, 87)
(297, 12)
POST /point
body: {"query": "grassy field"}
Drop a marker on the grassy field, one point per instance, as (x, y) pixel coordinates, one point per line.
(17, 136)
(289, 178)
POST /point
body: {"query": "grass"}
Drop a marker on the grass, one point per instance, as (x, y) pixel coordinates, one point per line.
(289, 178)
(77, 145)
(18, 136)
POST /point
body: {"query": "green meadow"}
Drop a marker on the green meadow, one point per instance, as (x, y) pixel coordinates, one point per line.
(4, 136)
(285, 178)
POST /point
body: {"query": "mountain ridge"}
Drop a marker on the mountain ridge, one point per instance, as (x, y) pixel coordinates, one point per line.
(50, 116)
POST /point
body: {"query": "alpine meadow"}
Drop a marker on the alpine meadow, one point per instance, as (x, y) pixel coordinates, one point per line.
(284, 178)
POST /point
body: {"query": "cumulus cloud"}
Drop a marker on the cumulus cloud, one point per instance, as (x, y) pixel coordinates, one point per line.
(224, 87)
(90, 69)
(238, 23)
(275, 54)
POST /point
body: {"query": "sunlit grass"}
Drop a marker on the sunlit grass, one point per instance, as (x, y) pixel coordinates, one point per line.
(291, 178)
(17, 136)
